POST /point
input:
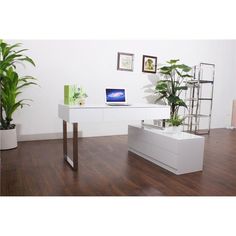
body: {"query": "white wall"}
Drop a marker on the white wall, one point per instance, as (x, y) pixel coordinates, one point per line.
(233, 87)
(92, 64)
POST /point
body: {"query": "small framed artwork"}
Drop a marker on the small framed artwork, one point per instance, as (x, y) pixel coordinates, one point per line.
(125, 61)
(149, 64)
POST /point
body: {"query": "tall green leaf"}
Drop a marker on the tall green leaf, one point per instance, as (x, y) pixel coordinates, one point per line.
(170, 87)
(11, 84)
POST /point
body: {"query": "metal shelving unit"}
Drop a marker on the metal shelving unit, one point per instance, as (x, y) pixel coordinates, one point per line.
(196, 94)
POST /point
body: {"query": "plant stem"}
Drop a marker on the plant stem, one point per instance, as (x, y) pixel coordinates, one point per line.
(172, 84)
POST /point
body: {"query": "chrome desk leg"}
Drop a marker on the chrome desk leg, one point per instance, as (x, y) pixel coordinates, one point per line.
(73, 163)
(64, 139)
(75, 146)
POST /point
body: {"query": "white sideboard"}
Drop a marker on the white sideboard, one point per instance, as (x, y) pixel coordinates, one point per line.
(179, 153)
(103, 113)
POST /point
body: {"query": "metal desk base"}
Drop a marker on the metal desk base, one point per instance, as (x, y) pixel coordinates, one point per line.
(74, 161)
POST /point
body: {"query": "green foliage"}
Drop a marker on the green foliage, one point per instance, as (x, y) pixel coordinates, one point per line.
(171, 85)
(80, 95)
(11, 84)
(175, 120)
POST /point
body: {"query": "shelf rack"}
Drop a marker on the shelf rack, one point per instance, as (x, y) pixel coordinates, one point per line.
(194, 97)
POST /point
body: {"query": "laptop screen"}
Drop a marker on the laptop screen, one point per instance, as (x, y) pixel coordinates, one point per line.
(115, 95)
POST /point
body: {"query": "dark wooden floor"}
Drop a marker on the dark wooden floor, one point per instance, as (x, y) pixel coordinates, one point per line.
(106, 168)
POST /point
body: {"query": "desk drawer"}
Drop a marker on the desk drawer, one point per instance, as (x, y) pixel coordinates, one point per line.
(129, 113)
(85, 115)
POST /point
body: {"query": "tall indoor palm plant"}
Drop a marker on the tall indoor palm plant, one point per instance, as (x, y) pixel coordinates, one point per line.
(11, 85)
(170, 87)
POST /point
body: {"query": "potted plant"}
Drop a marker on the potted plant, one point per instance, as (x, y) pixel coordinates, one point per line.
(80, 96)
(11, 85)
(169, 89)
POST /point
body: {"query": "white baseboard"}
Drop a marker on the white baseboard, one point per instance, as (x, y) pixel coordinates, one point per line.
(33, 137)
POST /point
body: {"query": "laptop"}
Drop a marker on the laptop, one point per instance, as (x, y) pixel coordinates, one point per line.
(116, 97)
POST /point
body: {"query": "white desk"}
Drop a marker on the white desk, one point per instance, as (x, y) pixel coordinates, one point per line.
(103, 113)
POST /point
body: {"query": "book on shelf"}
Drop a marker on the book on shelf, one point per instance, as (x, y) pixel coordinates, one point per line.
(69, 92)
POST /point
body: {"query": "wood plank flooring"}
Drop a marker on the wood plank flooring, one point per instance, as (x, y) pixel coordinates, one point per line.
(106, 168)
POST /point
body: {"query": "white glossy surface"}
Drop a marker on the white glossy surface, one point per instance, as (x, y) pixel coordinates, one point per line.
(178, 135)
(179, 153)
(135, 105)
(101, 113)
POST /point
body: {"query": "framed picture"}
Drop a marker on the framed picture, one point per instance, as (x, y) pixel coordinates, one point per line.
(149, 64)
(125, 61)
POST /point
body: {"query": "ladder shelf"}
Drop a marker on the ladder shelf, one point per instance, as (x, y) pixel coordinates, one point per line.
(194, 98)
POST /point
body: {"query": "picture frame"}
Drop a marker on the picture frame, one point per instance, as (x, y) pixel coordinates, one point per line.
(125, 61)
(149, 64)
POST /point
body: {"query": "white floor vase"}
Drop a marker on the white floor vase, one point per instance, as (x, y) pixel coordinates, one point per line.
(8, 139)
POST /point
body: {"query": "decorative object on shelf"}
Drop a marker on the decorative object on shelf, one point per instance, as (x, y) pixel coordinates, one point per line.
(74, 95)
(125, 61)
(79, 96)
(69, 91)
(11, 85)
(149, 64)
(170, 87)
(173, 129)
(175, 123)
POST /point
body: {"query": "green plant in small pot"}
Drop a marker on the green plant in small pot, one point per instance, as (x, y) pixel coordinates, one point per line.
(175, 123)
(80, 96)
(11, 86)
(170, 86)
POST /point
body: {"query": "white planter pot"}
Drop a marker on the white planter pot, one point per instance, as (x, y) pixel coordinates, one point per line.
(173, 129)
(8, 139)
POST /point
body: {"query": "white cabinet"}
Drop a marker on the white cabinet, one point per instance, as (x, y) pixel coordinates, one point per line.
(179, 153)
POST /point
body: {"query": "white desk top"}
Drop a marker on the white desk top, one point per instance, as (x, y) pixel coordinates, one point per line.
(178, 135)
(87, 106)
(103, 112)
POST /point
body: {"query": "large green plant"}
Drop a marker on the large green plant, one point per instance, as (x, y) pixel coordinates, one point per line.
(171, 85)
(11, 83)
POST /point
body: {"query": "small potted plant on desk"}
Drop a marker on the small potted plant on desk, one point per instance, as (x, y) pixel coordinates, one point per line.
(169, 89)
(11, 85)
(80, 96)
